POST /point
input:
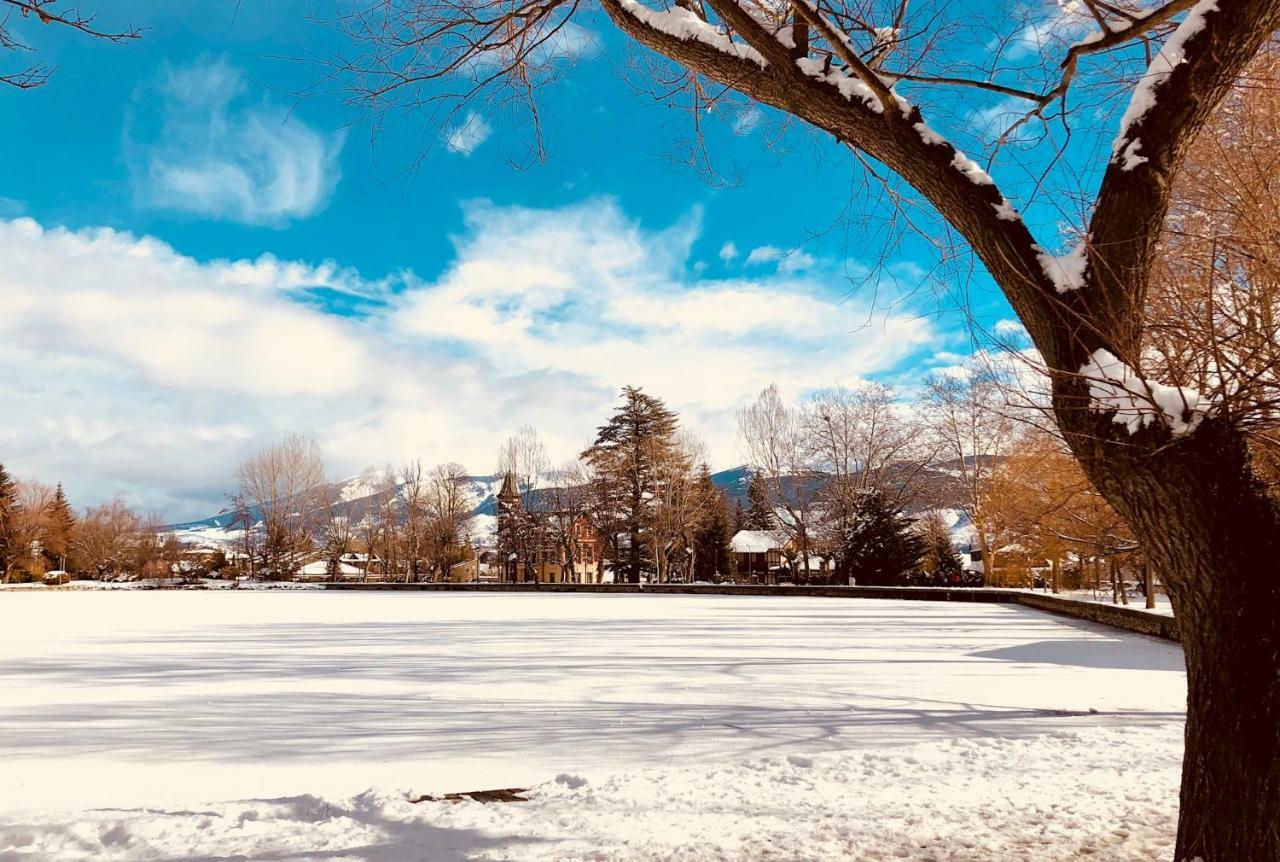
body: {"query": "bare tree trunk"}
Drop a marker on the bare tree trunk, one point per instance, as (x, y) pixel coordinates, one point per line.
(1209, 526)
(1149, 584)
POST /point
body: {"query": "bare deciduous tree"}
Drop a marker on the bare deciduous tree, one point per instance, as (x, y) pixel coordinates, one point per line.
(968, 414)
(524, 457)
(27, 528)
(678, 505)
(569, 513)
(107, 537)
(858, 439)
(775, 440)
(336, 533)
(284, 483)
(413, 504)
(448, 506)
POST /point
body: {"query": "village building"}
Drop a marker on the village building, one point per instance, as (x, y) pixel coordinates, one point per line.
(351, 566)
(769, 557)
(527, 551)
(759, 555)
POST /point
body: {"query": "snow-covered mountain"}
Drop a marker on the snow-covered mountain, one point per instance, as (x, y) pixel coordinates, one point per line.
(936, 487)
(354, 498)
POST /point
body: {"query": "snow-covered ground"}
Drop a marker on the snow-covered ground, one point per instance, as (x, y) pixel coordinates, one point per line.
(1136, 603)
(290, 726)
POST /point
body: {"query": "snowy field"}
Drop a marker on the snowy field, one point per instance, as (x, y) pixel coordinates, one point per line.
(291, 726)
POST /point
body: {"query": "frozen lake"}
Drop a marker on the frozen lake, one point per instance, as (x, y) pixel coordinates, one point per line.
(168, 698)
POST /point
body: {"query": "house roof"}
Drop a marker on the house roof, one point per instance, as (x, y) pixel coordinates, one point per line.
(755, 542)
(321, 567)
(509, 490)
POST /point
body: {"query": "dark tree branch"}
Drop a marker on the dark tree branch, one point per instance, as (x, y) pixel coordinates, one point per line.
(44, 12)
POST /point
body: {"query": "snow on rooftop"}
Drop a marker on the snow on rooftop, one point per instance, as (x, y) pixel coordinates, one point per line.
(321, 567)
(756, 541)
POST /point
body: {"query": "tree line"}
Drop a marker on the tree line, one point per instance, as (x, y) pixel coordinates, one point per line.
(41, 534)
(833, 477)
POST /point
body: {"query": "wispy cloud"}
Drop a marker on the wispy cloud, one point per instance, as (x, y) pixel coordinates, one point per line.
(763, 254)
(467, 135)
(200, 141)
(728, 251)
(137, 367)
(746, 120)
(788, 261)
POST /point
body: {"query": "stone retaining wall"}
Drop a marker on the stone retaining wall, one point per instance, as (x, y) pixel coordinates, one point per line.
(1118, 616)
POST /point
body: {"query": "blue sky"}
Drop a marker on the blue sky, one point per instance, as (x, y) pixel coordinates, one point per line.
(203, 262)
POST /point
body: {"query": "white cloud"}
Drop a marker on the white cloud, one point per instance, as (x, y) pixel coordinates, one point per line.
(1066, 24)
(796, 261)
(788, 261)
(199, 142)
(569, 42)
(728, 251)
(135, 367)
(763, 254)
(1010, 328)
(466, 136)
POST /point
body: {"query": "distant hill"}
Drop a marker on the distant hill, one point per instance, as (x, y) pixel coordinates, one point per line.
(936, 487)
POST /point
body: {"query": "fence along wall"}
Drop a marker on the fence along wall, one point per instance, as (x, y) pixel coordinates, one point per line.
(1116, 616)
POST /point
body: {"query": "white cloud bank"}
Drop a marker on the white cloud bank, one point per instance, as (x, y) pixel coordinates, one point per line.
(127, 365)
(198, 142)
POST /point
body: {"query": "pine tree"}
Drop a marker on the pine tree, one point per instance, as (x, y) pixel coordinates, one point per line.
(940, 560)
(639, 435)
(712, 559)
(8, 512)
(879, 546)
(759, 515)
(739, 516)
(62, 524)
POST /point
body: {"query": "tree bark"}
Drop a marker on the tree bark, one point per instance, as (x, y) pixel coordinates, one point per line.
(1212, 530)
(1202, 517)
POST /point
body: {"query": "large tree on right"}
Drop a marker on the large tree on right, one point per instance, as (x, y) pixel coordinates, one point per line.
(1166, 442)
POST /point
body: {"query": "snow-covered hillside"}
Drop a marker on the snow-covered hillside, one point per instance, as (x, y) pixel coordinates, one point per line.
(354, 497)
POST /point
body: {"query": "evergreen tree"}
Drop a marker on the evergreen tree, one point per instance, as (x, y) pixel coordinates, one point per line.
(739, 516)
(712, 559)
(759, 515)
(62, 524)
(939, 561)
(639, 436)
(879, 546)
(8, 513)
